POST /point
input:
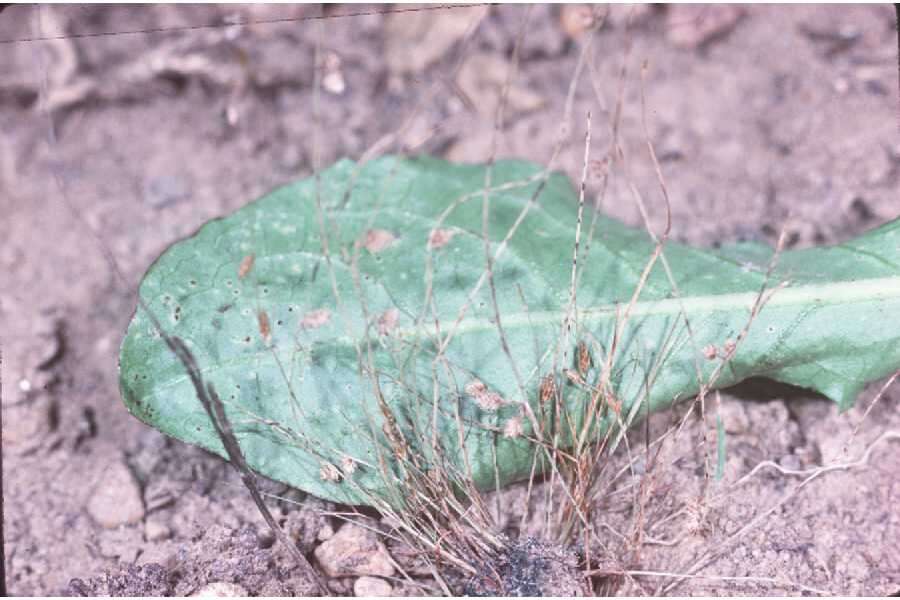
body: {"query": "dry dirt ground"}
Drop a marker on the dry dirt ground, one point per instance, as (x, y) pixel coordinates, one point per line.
(757, 115)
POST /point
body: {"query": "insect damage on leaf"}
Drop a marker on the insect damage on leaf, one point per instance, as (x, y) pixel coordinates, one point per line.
(387, 321)
(315, 318)
(265, 330)
(377, 240)
(338, 381)
(438, 238)
(245, 266)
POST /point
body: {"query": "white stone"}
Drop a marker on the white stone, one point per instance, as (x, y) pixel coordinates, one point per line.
(325, 533)
(354, 551)
(116, 499)
(220, 589)
(372, 587)
(155, 531)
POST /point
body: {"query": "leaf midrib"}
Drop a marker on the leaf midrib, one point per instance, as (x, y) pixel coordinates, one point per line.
(844, 292)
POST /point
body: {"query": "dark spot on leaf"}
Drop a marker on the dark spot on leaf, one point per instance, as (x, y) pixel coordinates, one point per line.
(225, 307)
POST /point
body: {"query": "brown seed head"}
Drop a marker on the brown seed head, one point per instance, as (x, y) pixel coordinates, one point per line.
(513, 428)
(485, 399)
(548, 389)
(329, 472)
(348, 465)
(728, 347)
(475, 387)
(490, 401)
(584, 359)
(574, 377)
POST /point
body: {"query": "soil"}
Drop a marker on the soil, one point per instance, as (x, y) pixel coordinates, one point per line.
(760, 116)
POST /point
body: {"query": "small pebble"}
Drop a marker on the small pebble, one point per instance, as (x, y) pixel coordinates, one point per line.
(325, 533)
(116, 499)
(155, 531)
(220, 589)
(354, 551)
(369, 587)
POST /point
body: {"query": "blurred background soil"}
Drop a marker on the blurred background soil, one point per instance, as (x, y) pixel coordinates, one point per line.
(761, 117)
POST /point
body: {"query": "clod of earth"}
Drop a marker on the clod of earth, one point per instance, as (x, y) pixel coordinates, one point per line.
(390, 350)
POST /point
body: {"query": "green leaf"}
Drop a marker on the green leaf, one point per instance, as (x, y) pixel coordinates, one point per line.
(354, 332)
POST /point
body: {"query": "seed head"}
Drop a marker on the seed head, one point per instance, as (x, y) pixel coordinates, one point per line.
(348, 465)
(513, 428)
(548, 389)
(329, 472)
(584, 359)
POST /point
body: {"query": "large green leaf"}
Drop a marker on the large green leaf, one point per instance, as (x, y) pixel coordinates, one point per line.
(351, 320)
